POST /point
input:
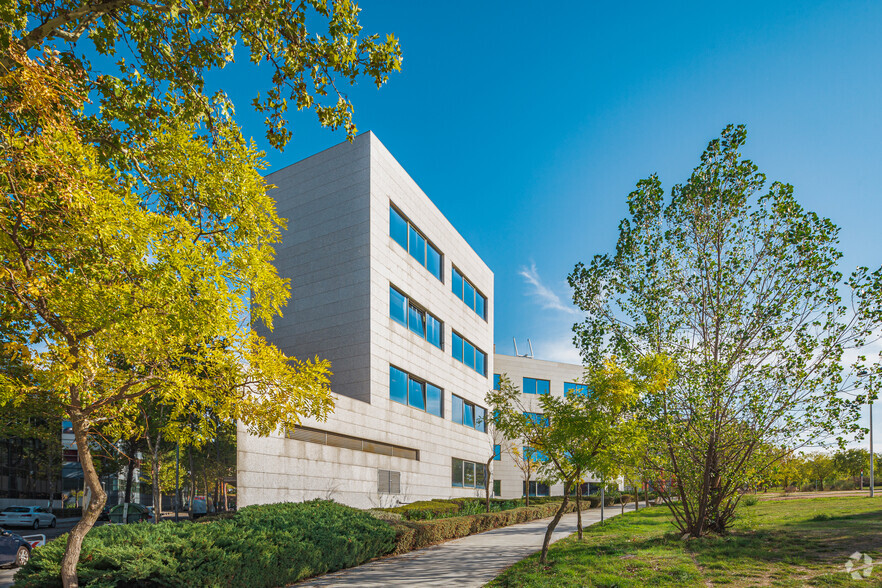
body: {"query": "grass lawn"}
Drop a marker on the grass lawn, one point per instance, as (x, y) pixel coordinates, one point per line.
(776, 543)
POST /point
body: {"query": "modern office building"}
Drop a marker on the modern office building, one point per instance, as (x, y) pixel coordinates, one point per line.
(534, 377)
(384, 287)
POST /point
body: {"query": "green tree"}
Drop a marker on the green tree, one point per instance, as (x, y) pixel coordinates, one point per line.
(738, 285)
(110, 285)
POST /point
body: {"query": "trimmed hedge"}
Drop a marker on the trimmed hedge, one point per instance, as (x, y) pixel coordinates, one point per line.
(410, 535)
(265, 545)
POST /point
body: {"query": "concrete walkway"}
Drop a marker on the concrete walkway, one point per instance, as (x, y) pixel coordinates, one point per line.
(469, 561)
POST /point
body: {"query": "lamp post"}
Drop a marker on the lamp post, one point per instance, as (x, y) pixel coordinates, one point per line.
(872, 454)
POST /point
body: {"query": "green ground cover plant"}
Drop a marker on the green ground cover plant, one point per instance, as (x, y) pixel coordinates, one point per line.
(788, 543)
(261, 546)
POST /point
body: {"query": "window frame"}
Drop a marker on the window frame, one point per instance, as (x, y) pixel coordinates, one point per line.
(458, 343)
(534, 388)
(411, 307)
(463, 466)
(458, 276)
(418, 235)
(468, 407)
(423, 384)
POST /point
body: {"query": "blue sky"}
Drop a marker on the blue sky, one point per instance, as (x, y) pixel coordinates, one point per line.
(528, 124)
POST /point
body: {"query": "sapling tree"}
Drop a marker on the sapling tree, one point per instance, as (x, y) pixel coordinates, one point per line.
(738, 285)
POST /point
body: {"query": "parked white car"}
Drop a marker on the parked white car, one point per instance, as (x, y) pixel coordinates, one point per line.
(27, 516)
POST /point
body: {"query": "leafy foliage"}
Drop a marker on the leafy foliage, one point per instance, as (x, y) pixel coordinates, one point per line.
(266, 545)
(738, 286)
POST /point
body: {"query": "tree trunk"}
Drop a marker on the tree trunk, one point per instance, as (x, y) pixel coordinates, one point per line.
(154, 463)
(543, 557)
(90, 514)
(579, 509)
(192, 490)
(527, 492)
(130, 472)
(487, 482)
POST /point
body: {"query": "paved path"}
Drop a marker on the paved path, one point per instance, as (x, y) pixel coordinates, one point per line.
(469, 561)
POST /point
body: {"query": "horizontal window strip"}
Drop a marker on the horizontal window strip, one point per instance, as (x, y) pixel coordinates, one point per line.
(349, 442)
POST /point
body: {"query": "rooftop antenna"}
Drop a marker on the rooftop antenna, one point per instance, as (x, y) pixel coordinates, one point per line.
(530, 343)
(517, 354)
(515, 341)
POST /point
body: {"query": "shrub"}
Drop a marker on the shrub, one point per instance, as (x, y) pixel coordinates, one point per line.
(266, 545)
(410, 535)
(593, 500)
(749, 500)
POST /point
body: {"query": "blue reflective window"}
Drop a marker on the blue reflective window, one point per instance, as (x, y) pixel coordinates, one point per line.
(580, 389)
(416, 397)
(457, 283)
(534, 386)
(543, 386)
(468, 354)
(434, 400)
(457, 409)
(468, 294)
(397, 385)
(433, 262)
(433, 331)
(398, 228)
(417, 246)
(397, 306)
(468, 415)
(457, 347)
(497, 452)
(537, 418)
(481, 418)
(480, 362)
(496, 378)
(480, 304)
(417, 320)
(529, 386)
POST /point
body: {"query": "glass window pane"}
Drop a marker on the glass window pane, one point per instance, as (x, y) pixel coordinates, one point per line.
(433, 261)
(481, 419)
(496, 378)
(543, 386)
(529, 386)
(468, 474)
(497, 452)
(480, 475)
(480, 303)
(416, 398)
(433, 400)
(497, 488)
(468, 295)
(468, 415)
(397, 385)
(480, 362)
(398, 228)
(433, 331)
(417, 246)
(457, 347)
(397, 306)
(457, 283)
(417, 319)
(468, 354)
(457, 409)
(457, 472)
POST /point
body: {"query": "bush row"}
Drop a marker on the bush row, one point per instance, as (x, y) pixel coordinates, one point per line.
(266, 545)
(410, 535)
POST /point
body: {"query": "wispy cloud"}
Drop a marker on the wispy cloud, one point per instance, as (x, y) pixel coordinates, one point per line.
(542, 293)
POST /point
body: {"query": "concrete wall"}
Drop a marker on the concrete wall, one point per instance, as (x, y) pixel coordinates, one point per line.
(341, 259)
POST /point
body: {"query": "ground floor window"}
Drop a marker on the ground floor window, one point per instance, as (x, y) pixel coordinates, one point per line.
(468, 474)
(497, 488)
(536, 489)
(388, 482)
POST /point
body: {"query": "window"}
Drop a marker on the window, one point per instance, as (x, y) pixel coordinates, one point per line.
(467, 353)
(497, 453)
(536, 489)
(397, 306)
(496, 378)
(580, 389)
(407, 235)
(537, 418)
(467, 292)
(468, 474)
(469, 414)
(534, 455)
(411, 315)
(497, 488)
(534, 386)
(388, 482)
(405, 389)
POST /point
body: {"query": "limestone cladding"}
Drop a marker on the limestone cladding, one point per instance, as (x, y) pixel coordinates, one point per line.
(341, 260)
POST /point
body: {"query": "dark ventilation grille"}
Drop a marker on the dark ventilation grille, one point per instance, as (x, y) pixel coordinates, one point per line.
(388, 482)
(354, 443)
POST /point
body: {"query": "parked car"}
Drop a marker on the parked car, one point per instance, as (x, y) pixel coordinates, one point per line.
(13, 549)
(105, 514)
(135, 513)
(27, 516)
